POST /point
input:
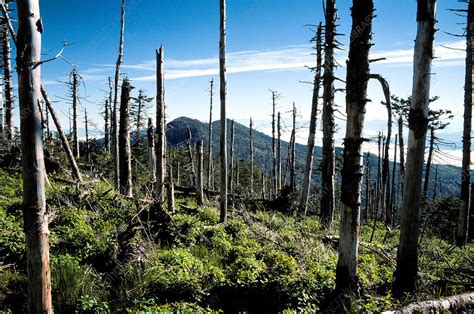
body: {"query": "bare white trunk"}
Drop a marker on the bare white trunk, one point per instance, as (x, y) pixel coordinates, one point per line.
(223, 92)
(160, 126)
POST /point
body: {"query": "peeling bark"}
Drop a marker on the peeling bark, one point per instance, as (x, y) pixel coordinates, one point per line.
(125, 152)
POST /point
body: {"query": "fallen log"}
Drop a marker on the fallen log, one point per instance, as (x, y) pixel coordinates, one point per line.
(453, 303)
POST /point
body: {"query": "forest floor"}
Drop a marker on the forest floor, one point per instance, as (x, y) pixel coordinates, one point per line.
(107, 257)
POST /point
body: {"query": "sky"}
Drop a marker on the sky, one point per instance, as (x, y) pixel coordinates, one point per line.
(268, 45)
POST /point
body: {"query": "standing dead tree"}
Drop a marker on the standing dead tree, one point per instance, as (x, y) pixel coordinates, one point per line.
(36, 216)
(223, 92)
(312, 123)
(74, 82)
(407, 256)
(462, 228)
(151, 150)
(125, 152)
(138, 112)
(160, 126)
(328, 160)
(189, 142)
(293, 151)
(356, 99)
(67, 149)
(275, 97)
(118, 64)
(7, 78)
(210, 179)
(106, 126)
(2, 120)
(199, 181)
(278, 153)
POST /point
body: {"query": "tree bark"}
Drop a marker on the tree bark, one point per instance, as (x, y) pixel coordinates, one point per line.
(67, 149)
(462, 229)
(407, 256)
(160, 126)
(75, 138)
(210, 178)
(8, 81)
(2, 111)
(328, 161)
(199, 181)
(402, 151)
(279, 154)
(394, 171)
(223, 92)
(115, 136)
(35, 215)
(367, 188)
(274, 158)
(312, 124)
(455, 303)
(352, 169)
(106, 126)
(151, 150)
(125, 152)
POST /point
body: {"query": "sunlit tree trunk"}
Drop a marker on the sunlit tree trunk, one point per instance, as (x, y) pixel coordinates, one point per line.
(35, 215)
(125, 152)
(115, 136)
(312, 124)
(210, 178)
(328, 161)
(278, 154)
(407, 256)
(160, 126)
(8, 81)
(356, 100)
(223, 92)
(462, 229)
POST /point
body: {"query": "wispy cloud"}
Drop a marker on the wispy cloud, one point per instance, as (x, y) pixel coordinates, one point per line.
(287, 58)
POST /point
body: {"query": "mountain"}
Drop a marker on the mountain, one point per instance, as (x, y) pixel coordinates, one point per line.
(448, 175)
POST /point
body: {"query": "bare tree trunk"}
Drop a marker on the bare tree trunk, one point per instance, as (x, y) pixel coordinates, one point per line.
(115, 136)
(231, 163)
(278, 174)
(356, 100)
(190, 155)
(199, 181)
(210, 178)
(75, 138)
(367, 188)
(35, 215)
(8, 81)
(312, 124)
(110, 121)
(274, 144)
(125, 152)
(170, 192)
(293, 152)
(151, 150)
(160, 126)
(223, 92)
(394, 171)
(67, 149)
(402, 151)
(106, 126)
(407, 257)
(251, 155)
(328, 161)
(426, 183)
(462, 229)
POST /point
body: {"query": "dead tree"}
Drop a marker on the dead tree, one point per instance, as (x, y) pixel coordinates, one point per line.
(293, 152)
(275, 188)
(231, 162)
(151, 150)
(67, 149)
(462, 228)
(356, 100)
(110, 118)
(189, 141)
(199, 181)
(394, 171)
(328, 160)
(170, 191)
(125, 152)
(210, 178)
(223, 92)
(367, 188)
(251, 155)
(7, 80)
(139, 108)
(160, 126)
(36, 216)
(278, 154)
(407, 256)
(118, 64)
(106, 126)
(75, 137)
(2, 120)
(312, 123)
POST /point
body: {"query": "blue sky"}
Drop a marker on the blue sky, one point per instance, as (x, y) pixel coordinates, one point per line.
(268, 46)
